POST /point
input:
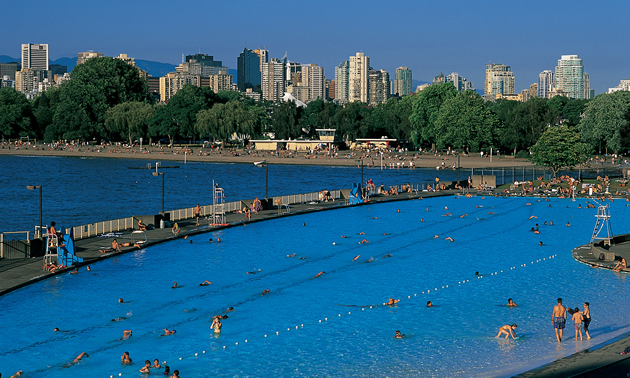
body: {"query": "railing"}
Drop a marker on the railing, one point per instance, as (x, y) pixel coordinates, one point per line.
(12, 251)
(93, 229)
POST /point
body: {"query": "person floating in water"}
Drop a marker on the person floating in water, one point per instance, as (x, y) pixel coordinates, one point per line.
(391, 302)
(508, 330)
(399, 335)
(511, 303)
(429, 304)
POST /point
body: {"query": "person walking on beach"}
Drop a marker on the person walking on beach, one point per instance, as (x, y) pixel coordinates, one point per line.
(586, 319)
(577, 319)
(558, 319)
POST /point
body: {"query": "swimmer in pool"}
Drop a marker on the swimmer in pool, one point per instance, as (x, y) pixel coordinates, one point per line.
(361, 233)
(511, 303)
(533, 216)
(421, 220)
(293, 255)
(447, 215)
(508, 330)
(345, 237)
(391, 302)
(156, 364)
(147, 367)
(449, 239)
(429, 304)
(75, 271)
(216, 325)
(464, 215)
(254, 272)
(356, 258)
(568, 225)
(125, 359)
(80, 357)
(205, 283)
(168, 333)
(126, 334)
(436, 237)
(218, 240)
(364, 241)
(266, 291)
(120, 300)
(89, 269)
(387, 255)
(303, 258)
(398, 335)
(540, 244)
(119, 319)
(229, 309)
(319, 274)
(174, 285)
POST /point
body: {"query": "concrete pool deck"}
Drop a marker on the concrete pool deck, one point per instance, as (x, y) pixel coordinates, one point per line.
(600, 360)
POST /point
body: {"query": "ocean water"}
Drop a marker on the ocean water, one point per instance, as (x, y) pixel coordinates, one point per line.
(79, 191)
(335, 325)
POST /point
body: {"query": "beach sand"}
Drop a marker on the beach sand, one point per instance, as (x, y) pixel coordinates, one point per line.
(345, 158)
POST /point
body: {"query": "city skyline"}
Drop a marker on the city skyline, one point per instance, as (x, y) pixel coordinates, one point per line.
(418, 39)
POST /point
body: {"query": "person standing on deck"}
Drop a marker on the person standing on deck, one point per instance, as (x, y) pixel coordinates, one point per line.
(198, 213)
(558, 319)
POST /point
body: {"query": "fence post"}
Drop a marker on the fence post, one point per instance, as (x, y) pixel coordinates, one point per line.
(1, 245)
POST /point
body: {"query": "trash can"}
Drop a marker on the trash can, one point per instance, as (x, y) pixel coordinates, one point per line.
(37, 248)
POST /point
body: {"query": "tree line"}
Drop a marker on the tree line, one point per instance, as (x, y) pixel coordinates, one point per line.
(107, 100)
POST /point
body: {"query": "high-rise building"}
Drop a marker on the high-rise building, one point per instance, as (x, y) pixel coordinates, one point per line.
(624, 85)
(273, 80)
(570, 77)
(331, 86)
(313, 78)
(83, 56)
(35, 56)
(342, 73)
(402, 81)
(358, 86)
(588, 92)
(546, 81)
(8, 69)
(460, 83)
(294, 73)
(380, 86)
(263, 57)
(499, 80)
(439, 79)
(248, 70)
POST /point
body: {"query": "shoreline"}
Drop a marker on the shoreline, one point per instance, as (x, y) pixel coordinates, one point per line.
(301, 158)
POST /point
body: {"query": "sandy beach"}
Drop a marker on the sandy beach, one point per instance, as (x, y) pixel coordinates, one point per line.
(344, 158)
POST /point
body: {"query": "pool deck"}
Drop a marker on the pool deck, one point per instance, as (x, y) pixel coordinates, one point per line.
(601, 360)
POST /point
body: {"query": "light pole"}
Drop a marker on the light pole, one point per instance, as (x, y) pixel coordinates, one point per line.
(33, 187)
(156, 173)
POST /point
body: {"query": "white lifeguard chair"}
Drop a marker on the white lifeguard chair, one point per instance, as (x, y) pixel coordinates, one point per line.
(218, 205)
(52, 249)
(603, 228)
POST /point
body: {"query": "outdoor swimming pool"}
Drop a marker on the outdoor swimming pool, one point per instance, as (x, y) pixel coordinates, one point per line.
(454, 338)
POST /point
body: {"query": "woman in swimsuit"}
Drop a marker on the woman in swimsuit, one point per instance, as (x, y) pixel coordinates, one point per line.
(216, 325)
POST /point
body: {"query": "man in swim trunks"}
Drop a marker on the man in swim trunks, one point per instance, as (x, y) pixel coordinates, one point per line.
(511, 303)
(197, 213)
(558, 319)
(508, 330)
(115, 247)
(586, 319)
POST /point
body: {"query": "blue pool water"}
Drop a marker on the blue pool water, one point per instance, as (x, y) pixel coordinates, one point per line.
(455, 338)
(80, 191)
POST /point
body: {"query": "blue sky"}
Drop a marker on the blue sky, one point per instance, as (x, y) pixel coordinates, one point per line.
(426, 36)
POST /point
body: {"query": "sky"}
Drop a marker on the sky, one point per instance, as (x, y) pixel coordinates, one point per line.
(428, 37)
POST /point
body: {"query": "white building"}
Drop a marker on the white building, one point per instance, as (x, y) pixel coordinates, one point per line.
(35, 56)
(624, 85)
(342, 73)
(358, 86)
(570, 77)
(546, 81)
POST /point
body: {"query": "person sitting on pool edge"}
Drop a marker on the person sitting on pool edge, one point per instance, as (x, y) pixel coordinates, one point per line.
(141, 226)
(115, 247)
(620, 265)
(511, 303)
(508, 330)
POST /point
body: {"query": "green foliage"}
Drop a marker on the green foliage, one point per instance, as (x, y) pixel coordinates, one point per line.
(558, 147)
(522, 154)
(285, 120)
(464, 121)
(604, 117)
(129, 119)
(223, 120)
(96, 86)
(525, 123)
(353, 121)
(426, 108)
(16, 116)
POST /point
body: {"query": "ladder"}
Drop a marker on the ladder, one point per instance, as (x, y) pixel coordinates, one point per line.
(603, 228)
(52, 248)
(218, 205)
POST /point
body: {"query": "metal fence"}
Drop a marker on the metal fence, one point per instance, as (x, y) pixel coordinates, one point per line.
(12, 249)
(105, 227)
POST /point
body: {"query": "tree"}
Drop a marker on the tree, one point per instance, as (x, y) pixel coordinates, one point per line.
(525, 123)
(604, 117)
(96, 85)
(129, 119)
(163, 124)
(224, 120)
(426, 107)
(465, 121)
(284, 120)
(558, 147)
(16, 117)
(185, 105)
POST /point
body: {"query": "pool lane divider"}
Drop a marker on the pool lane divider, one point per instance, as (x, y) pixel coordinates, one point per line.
(196, 355)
